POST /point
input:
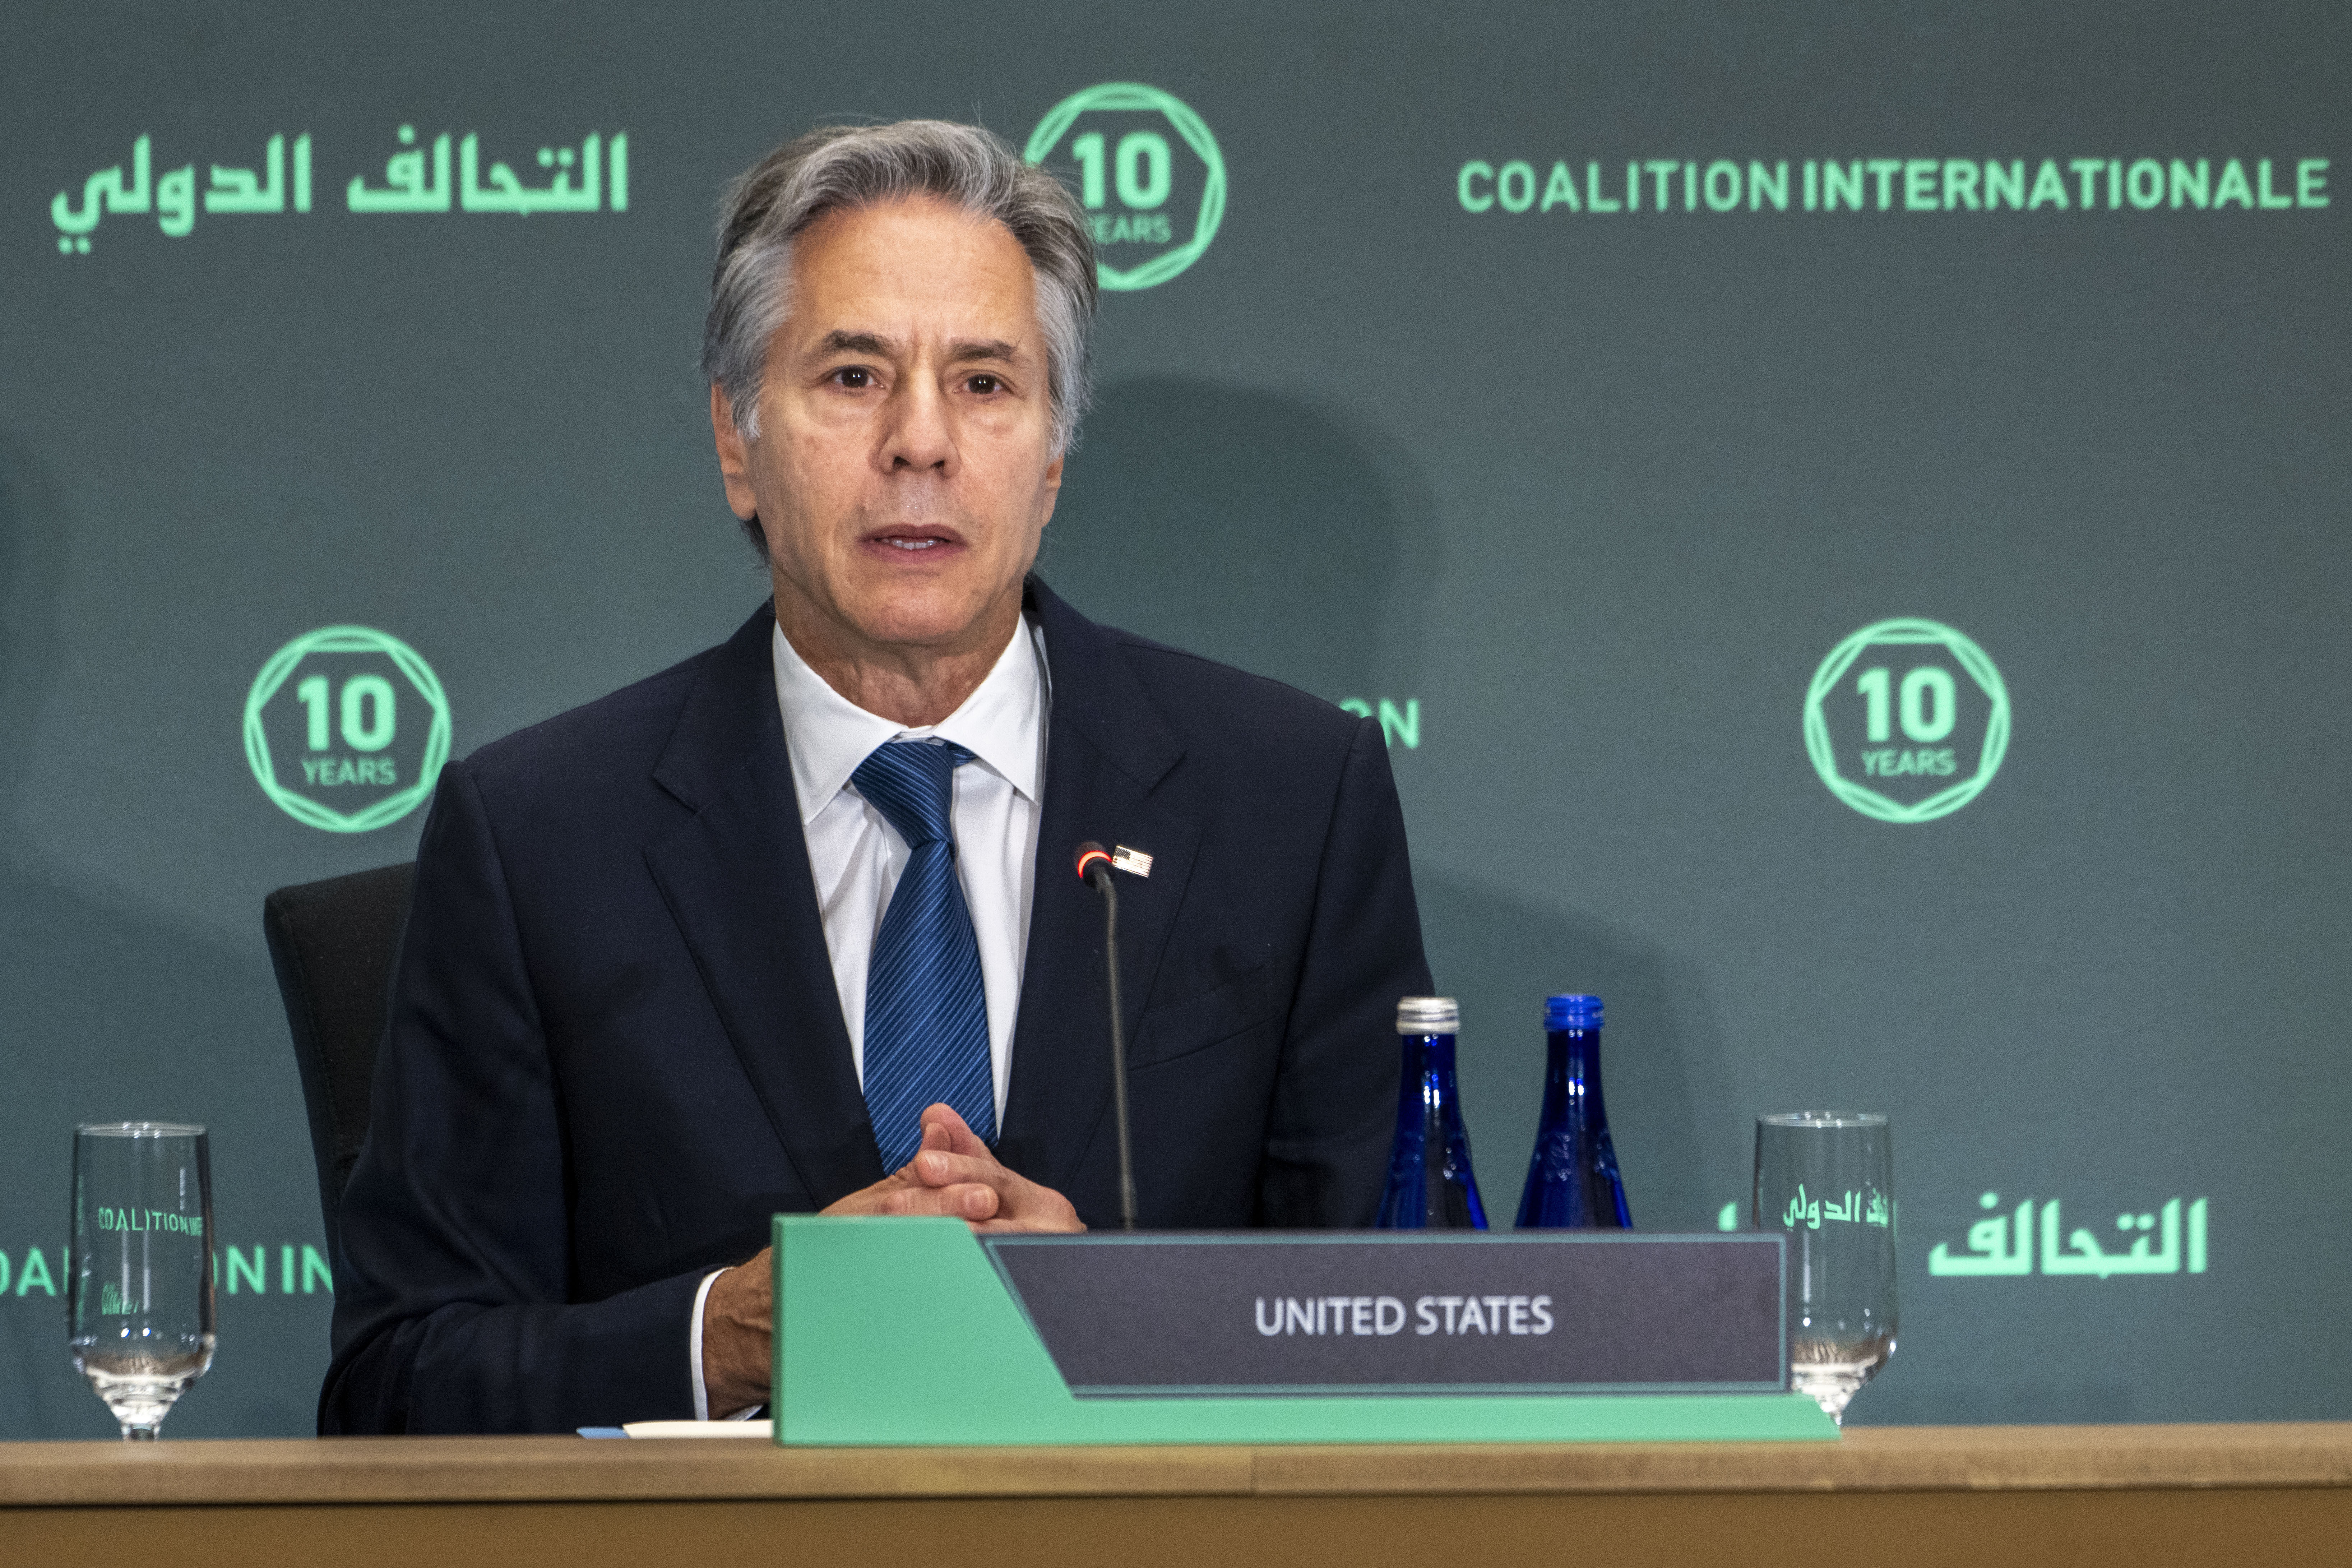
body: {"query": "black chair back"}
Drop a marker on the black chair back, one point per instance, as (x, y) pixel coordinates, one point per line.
(332, 945)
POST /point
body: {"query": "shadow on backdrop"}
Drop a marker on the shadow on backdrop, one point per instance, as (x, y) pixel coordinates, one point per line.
(1254, 528)
(1286, 539)
(107, 1015)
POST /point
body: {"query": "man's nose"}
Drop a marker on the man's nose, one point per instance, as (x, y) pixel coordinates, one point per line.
(919, 434)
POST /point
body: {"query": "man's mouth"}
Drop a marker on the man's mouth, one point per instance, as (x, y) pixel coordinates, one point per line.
(918, 540)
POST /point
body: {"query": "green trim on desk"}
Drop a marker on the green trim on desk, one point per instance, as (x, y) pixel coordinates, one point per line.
(900, 1332)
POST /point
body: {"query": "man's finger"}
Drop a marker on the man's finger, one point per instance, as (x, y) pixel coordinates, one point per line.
(1055, 1216)
(961, 1140)
(938, 1168)
(935, 1137)
(964, 1201)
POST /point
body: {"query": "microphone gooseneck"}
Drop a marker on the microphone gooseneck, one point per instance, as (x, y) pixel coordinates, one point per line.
(1094, 867)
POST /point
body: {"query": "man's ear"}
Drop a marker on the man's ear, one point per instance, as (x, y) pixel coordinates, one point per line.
(734, 455)
(1053, 488)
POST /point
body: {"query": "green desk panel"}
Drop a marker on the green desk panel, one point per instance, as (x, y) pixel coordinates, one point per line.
(899, 1331)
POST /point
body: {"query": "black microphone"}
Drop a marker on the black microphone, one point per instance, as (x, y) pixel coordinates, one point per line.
(1095, 870)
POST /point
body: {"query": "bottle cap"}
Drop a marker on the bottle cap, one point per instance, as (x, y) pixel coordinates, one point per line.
(1427, 1015)
(1571, 1013)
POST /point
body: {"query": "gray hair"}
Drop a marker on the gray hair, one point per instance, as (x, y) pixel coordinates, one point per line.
(845, 167)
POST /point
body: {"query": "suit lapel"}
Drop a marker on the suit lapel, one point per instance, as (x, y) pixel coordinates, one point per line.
(735, 877)
(1107, 751)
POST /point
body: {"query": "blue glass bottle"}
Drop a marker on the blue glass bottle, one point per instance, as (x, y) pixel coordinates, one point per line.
(1429, 1182)
(1572, 1180)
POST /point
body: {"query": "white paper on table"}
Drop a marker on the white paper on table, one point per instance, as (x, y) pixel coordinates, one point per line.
(765, 1430)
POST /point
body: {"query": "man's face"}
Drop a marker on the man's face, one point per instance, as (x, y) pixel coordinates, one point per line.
(905, 468)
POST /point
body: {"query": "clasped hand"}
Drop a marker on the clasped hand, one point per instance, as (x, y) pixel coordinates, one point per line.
(953, 1174)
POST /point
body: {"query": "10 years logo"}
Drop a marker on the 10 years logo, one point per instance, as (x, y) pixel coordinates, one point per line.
(1118, 137)
(1920, 727)
(346, 728)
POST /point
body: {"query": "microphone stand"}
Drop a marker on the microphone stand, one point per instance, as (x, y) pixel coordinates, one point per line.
(1095, 867)
(1103, 882)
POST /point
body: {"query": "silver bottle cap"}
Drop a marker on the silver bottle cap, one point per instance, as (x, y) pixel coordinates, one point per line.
(1428, 1015)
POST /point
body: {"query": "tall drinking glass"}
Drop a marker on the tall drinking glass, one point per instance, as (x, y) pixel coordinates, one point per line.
(139, 1271)
(1825, 1179)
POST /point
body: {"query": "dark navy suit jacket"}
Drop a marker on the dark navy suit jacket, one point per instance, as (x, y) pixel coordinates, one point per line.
(616, 1047)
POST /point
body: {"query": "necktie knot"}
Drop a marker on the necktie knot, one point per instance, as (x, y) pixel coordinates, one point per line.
(912, 783)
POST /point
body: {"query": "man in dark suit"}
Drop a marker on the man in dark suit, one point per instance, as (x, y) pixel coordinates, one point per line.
(792, 925)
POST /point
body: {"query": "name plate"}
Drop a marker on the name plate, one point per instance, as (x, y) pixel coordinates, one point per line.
(917, 1332)
(1402, 1313)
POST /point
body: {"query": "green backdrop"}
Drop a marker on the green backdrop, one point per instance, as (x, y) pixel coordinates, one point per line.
(1566, 385)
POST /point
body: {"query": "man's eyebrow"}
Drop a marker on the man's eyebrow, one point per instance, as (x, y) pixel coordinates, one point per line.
(964, 352)
(840, 343)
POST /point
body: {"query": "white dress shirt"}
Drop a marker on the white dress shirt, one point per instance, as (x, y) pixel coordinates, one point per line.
(856, 856)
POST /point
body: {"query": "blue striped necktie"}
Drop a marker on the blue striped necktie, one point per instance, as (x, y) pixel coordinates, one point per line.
(925, 1010)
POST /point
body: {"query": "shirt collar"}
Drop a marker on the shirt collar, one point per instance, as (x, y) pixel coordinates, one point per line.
(1001, 723)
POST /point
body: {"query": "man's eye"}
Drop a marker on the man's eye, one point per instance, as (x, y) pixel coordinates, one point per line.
(984, 384)
(854, 377)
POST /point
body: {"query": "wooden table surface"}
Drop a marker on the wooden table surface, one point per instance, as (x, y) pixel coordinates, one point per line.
(564, 1469)
(2016, 1495)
